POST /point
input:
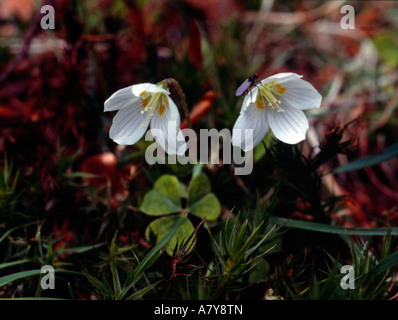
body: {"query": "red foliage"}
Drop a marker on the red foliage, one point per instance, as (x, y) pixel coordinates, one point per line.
(104, 167)
(200, 109)
(65, 235)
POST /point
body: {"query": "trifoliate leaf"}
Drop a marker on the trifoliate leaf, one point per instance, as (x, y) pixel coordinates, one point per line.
(183, 190)
(198, 188)
(208, 207)
(168, 186)
(164, 198)
(160, 227)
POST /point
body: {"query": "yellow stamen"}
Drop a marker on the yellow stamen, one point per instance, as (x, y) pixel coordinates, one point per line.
(280, 89)
(152, 102)
(161, 109)
(145, 101)
(259, 104)
(268, 94)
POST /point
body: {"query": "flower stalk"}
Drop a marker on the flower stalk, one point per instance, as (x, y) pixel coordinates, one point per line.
(173, 84)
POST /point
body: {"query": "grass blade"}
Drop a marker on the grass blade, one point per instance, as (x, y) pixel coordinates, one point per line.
(19, 275)
(320, 227)
(368, 161)
(81, 249)
(13, 263)
(150, 258)
(386, 263)
(97, 283)
(141, 292)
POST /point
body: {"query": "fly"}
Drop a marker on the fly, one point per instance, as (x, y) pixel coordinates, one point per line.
(247, 85)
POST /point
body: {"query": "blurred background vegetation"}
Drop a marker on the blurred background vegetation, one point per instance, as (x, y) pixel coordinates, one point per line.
(71, 198)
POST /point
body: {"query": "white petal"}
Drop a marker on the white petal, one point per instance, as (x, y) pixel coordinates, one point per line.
(127, 125)
(167, 124)
(253, 119)
(120, 99)
(289, 126)
(300, 94)
(137, 89)
(249, 98)
(281, 77)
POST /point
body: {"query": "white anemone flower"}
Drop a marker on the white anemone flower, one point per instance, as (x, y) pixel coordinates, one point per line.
(142, 105)
(275, 103)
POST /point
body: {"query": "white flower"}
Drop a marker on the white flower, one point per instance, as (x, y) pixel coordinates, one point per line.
(275, 103)
(143, 104)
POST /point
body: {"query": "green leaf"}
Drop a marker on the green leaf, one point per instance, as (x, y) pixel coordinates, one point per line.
(156, 204)
(19, 275)
(386, 263)
(198, 188)
(150, 258)
(259, 272)
(197, 169)
(13, 263)
(167, 185)
(201, 202)
(320, 227)
(117, 288)
(367, 161)
(259, 151)
(98, 284)
(160, 227)
(81, 249)
(8, 232)
(164, 198)
(387, 49)
(140, 293)
(182, 190)
(217, 249)
(208, 207)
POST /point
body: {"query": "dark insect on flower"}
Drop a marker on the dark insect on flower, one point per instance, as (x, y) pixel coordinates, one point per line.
(247, 85)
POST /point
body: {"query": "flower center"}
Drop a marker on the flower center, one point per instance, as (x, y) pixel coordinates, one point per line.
(152, 102)
(269, 95)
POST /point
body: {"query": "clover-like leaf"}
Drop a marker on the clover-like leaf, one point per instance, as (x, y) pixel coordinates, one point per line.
(201, 202)
(164, 198)
(183, 190)
(207, 207)
(198, 187)
(160, 227)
